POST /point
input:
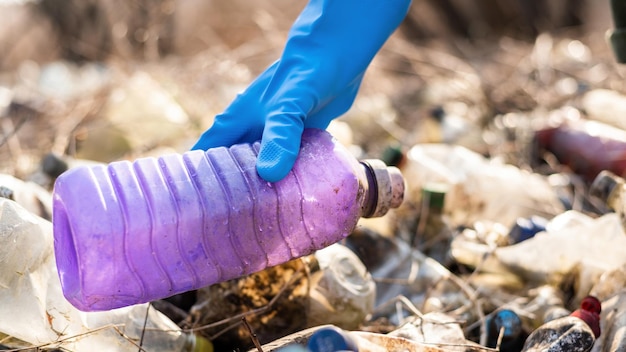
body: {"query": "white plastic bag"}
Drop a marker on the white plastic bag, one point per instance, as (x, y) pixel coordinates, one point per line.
(480, 189)
(34, 310)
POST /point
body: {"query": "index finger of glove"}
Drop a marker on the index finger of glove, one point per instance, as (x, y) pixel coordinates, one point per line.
(279, 146)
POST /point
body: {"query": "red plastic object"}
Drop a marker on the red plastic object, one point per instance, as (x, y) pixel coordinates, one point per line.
(586, 146)
(589, 312)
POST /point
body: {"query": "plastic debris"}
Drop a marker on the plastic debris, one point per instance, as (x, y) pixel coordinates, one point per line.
(574, 333)
(505, 330)
(342, 289)
(477, 185)
(137, 116)
(165, 202)
(586, 146)
(29, 195)
(402, 271)
(41, 316)
(514, 125)
(562, 251)
(331, 339)
(330, 286)
(606, 106)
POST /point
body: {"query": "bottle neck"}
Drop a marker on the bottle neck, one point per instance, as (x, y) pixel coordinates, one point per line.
(589, 312)
(609, 189)
(384, 188)
(433, 197)
(371, 191)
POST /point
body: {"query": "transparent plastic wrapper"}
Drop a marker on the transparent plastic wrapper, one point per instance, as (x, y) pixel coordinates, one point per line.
(400, 270)
(573, 244)
(30, 294)
(331, 286)
(605, 105)
(611, 290)
(330, 338)
(546, 304)
(342, 292)
(138, 115)
(129, 233)
(613, 320)
(434, 329)
(480, 189)
(29, 195)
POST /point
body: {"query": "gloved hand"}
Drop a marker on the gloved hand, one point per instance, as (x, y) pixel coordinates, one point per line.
(315, 80)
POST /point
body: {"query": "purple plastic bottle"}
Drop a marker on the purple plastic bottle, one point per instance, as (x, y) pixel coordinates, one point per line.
(128, 233)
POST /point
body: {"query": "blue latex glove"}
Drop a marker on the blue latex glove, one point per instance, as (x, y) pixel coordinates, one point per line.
(315, 80)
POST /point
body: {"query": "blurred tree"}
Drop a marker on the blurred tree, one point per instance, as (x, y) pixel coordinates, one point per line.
(82, 28)
(488, 19)
(150, 29)
(95, 29)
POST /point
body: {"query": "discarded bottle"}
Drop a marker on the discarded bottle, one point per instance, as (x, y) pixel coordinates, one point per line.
(128, 233)
(586, 146)
(575, 332)
(609, 189)
(433, 234)
(505, 330)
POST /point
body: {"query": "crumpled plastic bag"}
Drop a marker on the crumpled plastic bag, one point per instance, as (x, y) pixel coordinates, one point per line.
(480, 189)
(34, 310)
(573, 244)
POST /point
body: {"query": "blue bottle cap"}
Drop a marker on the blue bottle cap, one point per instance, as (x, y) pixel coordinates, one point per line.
(526, 228)
(331, 339)
(510, 321)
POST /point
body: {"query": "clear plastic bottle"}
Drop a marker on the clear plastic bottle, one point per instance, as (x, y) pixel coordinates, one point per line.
(128, 233)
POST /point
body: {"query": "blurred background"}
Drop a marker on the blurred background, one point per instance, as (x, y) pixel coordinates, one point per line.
(85, 81)
(104, 80)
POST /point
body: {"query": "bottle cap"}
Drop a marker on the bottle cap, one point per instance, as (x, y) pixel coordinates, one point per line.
(386, 188)
(434, 193)
(526, 228)
(331, 339)
(603, 185)
(589, 312)
(510, 321)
